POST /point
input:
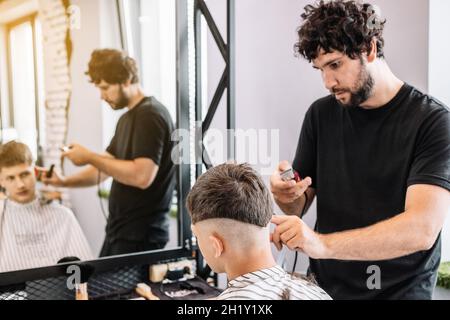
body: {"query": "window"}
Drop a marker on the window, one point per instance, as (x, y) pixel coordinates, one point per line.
(24, 111)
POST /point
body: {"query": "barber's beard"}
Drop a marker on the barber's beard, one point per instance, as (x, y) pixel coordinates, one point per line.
(121, 102)
(364, 89)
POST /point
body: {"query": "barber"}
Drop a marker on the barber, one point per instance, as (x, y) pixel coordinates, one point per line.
(138, 159)
(376, 155)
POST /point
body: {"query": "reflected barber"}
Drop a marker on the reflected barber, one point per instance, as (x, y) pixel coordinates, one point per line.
(138, 159)
(376, 153)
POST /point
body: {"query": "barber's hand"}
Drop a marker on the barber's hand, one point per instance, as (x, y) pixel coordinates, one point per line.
(287, 192)
(79, 155)
(56, 180)
(296, 235)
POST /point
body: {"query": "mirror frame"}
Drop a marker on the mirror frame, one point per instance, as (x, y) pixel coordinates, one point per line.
(185, 247)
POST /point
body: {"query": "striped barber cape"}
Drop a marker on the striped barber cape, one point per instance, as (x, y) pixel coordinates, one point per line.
(272, 284)
(34, 235)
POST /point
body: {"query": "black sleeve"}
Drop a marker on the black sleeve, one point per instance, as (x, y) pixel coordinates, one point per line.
(305, 157)
(112, 146)
(431, 163)
(150, 134)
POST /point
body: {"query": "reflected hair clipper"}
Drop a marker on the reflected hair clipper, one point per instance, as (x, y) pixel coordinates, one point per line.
(289, 175)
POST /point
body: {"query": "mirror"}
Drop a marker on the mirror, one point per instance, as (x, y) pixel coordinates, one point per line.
(47, 102)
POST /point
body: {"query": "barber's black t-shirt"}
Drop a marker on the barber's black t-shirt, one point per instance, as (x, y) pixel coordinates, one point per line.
(361, 163)
(136, 214)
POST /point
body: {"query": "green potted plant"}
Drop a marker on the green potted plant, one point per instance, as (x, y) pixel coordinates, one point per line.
(444, 276)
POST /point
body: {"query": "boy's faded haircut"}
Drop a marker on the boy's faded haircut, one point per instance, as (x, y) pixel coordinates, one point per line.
(231, 191)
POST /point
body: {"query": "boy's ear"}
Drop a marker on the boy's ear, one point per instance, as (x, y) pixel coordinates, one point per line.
(217, 244)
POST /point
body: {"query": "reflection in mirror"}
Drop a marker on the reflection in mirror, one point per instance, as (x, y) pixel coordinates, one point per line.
(112, 198)
(33, 231)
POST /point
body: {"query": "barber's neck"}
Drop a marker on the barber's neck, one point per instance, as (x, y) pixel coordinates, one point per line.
(137, 95)
(386, 87)
(240, 263)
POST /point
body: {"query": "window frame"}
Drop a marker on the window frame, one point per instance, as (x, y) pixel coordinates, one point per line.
(32, 19)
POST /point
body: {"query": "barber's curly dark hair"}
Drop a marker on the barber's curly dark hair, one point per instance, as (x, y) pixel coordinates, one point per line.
(340, 25)
(112, 66)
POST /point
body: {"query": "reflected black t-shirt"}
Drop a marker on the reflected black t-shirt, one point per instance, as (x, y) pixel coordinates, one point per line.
(361, 163)
(134, 214)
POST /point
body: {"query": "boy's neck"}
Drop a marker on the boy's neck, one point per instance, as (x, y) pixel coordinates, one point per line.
(23, 203)
(251, 261)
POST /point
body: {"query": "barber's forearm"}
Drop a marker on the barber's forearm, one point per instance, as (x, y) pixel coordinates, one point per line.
(400, 236)
(86, 178)
(121, 170)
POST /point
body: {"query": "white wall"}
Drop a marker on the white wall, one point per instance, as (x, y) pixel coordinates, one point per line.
(275, 89)
(438, 76)
(109, 38)
(158, 49)
(406, 38)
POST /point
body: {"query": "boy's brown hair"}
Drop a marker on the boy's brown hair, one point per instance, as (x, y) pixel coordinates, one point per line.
(14, 153)
(231, 191)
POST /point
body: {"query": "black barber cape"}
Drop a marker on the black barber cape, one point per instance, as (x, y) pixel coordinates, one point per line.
(361, 163)
(135, 214)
